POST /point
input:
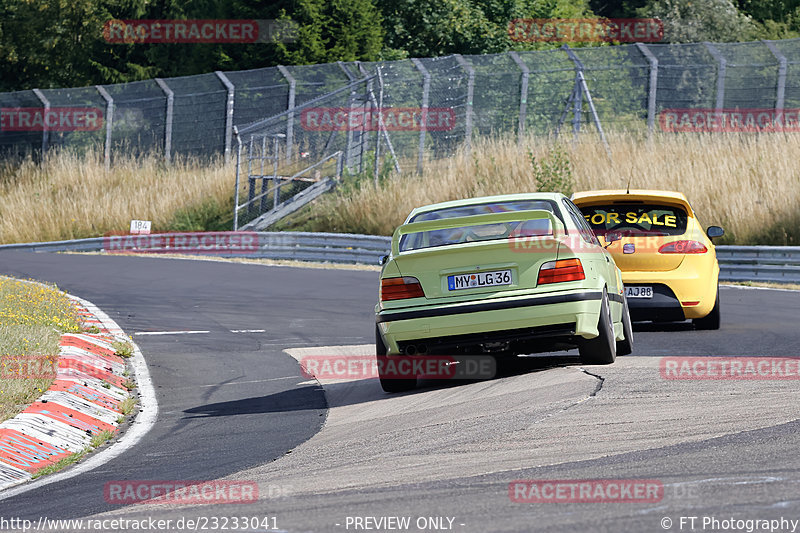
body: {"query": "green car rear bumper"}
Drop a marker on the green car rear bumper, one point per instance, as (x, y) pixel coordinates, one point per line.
(564, 314)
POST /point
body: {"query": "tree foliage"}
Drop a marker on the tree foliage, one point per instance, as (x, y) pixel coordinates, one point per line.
(687, 21)
(59, 43)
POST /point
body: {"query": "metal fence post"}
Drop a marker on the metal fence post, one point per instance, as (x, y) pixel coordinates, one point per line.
(582, 89)
(350, 149)
(380, 126)
(109, 123)
(363, 134)
(782, 69)
(523, 94)
(290, 106)
(275, 180)
(228, 113)
(720, 105)
(378, 104)
(378, 109)
(426, 95)
(238, 179)
(45, 132)
(168, 120)
(652, 87)
(470, 93)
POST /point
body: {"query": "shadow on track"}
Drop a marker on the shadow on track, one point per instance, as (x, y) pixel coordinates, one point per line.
(359, 391)
(663, 326)
(299, 399)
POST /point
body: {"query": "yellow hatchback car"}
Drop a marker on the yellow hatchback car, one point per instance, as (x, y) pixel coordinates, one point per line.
(668, 263)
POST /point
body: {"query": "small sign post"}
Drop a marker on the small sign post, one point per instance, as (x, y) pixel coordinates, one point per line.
(140, 227)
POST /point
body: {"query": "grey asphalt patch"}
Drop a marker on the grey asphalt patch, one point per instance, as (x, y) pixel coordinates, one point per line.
(722, 448)
(381, 454)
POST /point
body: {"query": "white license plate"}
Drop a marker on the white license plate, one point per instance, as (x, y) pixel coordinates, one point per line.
(638, 292)
(478, 279)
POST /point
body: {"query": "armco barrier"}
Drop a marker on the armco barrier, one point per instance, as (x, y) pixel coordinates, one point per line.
(299, 246)
(779, 264)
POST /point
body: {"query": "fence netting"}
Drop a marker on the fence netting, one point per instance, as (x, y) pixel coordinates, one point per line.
(451, 99)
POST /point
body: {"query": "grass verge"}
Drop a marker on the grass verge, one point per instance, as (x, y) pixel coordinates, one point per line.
(746, 183)
(248, 261)
(71, 196)
(765, 285)
(32, 318)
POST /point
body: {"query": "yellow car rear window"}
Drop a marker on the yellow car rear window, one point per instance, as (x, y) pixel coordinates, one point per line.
(636, 219)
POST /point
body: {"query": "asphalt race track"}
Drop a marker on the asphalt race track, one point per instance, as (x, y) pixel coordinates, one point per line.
(233, 404)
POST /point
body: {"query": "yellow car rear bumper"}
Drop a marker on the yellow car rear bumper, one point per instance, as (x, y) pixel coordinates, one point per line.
(695, 280)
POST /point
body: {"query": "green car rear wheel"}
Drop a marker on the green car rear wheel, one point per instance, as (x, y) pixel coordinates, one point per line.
(388, 383)
(602, 350)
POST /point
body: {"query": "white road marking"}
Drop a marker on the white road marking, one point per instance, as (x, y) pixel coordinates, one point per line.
(248, 331)
(186, 332)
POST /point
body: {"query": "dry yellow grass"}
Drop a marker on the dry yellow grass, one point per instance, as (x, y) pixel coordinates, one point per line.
(750, 184)
(32, 318)
(70, 196)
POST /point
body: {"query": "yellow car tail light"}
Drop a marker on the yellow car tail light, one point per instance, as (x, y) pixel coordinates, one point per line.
(683, 247)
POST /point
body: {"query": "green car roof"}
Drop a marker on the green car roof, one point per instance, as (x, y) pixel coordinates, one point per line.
(486, 200)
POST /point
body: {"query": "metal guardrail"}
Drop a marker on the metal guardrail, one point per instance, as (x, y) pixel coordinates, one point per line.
(299, 246)
(780, 264)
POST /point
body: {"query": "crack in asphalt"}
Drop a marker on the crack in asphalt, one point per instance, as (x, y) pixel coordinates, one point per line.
(600, 379)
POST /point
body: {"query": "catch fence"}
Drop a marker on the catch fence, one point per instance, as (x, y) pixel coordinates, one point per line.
(632, 87)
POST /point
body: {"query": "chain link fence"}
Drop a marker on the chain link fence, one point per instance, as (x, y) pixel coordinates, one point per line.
(514, 93)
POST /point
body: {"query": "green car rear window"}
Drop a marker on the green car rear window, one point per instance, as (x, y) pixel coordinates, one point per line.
(482, 232)
(636, 219)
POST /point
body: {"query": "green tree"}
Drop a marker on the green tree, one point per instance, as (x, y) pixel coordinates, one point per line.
(688, 21)
(334, 30)
(52, 43)
(60, 43)
(420, 28)
(774, 10)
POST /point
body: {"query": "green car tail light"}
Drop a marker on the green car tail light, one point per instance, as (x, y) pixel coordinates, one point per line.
(400, 288)
(561, 270)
